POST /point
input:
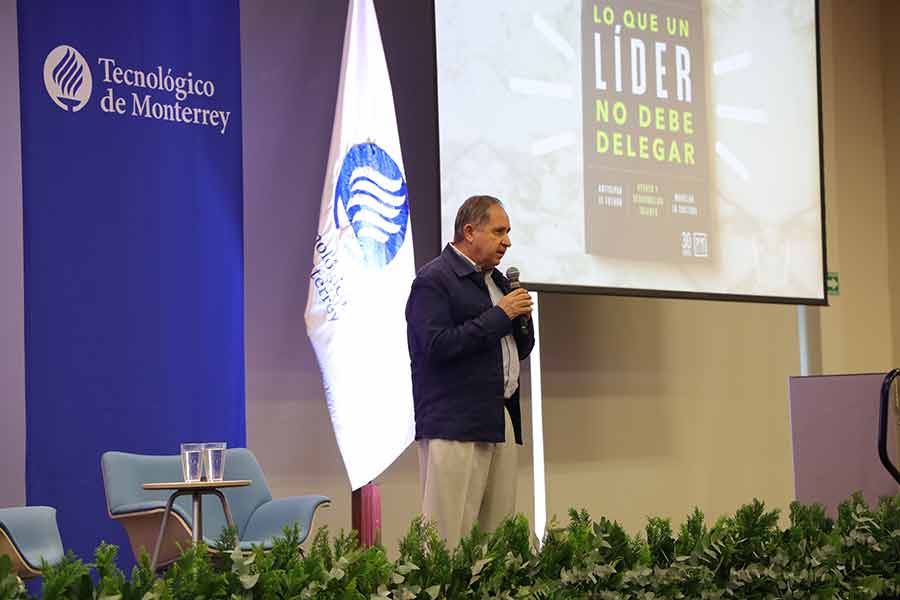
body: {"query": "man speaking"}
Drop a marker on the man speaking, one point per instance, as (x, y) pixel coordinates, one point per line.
(467, 330)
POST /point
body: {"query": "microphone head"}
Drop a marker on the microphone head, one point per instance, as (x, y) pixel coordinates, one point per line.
(512, 274)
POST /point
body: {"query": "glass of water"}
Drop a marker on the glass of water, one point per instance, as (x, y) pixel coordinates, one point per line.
(214, 460)
(192, 462)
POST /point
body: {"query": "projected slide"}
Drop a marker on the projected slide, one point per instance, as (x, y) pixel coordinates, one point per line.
(661, 145)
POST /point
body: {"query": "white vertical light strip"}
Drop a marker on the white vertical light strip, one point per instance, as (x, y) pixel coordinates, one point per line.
(537, 428)
(803, 338)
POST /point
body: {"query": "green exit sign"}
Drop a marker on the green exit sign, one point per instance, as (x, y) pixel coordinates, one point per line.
(833, 284)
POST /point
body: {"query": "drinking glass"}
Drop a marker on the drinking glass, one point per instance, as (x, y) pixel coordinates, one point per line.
(214, 460)
(192, 462)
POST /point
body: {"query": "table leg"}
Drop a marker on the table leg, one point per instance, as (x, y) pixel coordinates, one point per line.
(225, 508)
(197, 529)
(162, 531)
(228, 518)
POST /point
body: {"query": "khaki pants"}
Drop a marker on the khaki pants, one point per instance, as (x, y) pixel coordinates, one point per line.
(467, 482)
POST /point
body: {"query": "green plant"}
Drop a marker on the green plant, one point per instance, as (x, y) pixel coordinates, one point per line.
(67, 580)
(427, 559)
(742, 557)
(660, 541)
(692, 536)
(281, 572)
(344, 570)
(503, 562)
(10, 585)
(869, 547)
(741, 542)
(580, 559)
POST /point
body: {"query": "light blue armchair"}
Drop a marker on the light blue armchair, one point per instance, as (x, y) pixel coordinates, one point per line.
(28, 535)
(259, 519)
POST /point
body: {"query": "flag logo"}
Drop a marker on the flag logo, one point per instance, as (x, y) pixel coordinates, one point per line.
(372, 192)
(67, 78)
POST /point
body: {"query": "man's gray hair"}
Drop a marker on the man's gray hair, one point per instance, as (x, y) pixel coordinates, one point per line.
(474, 211)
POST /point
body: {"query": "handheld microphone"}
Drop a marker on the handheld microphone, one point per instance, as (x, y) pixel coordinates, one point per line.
(512, 274)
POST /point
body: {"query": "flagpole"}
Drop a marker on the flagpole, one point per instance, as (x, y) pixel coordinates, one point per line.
(366, 514)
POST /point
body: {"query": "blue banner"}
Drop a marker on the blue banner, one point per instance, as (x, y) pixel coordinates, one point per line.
(132, 200)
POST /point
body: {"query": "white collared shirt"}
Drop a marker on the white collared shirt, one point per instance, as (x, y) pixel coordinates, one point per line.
(508, 346)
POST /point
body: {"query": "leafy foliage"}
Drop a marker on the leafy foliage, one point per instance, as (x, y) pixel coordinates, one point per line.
(744, 556)
(68, 580)
(10, 585)
(660, 541)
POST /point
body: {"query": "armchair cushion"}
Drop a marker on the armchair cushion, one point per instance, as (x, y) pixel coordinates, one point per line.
(141, 507)
(269, 520)
(34, 533)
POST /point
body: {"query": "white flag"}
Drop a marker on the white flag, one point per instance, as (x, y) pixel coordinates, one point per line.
(363, 263)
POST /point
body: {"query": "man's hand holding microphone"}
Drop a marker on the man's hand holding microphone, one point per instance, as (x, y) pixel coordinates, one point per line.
(517, 304)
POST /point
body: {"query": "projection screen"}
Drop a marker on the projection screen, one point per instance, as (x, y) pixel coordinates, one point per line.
(652, 147)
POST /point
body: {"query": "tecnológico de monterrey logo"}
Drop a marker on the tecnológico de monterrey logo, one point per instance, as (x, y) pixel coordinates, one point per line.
(67, 78)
